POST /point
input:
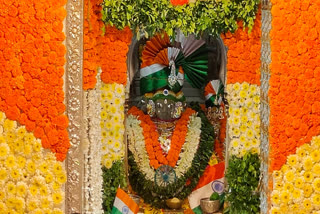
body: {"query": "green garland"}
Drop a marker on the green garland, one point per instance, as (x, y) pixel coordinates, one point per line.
(156, 195)
(112, 178)
(211, 17)
(243, 178)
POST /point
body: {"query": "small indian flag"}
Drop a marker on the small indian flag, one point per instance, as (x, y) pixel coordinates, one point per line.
(123, 204)
(211, 181)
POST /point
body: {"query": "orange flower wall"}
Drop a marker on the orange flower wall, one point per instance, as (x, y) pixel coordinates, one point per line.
(295, 77)
(32, 57)
(107, 50)
(244, 54)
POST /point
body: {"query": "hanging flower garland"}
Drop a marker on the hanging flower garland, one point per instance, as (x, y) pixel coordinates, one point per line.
(182, 187)
(31, 179)
(112, 126)
(32, 58)
(296, 186)
(244, 119)
(151, 136)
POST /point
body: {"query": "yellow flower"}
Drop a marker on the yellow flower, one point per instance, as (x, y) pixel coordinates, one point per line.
(37, 146)
(49, 178)
(107, 163)
(254, 151)
(298, 183)
(109, 96)
(3, 174)
(56, 186)
(247, 144)
(308, 163)
(15, 174)
(3, 207)
(18, 145)
(284, 169)
(4, 151)
(250, 134)
(315, 155)
(275, 198)
(316, 169)
(57, 211)
(11, 188)
(288, 187)
(244, 119)
(21, 131)
(57, 168)
(44, 167)
(307, 204)
(2, 140)
(32, 205)
(307, 190)
(103, 115)
(2, 117)
(31, 167)
(33, 189)
(256, 99)
(104, 134)
(10, 137)
(43, 190)
(10, 202)
(243, 128)
(285, 196)
(236, 86)
(278, 185)
(38, 211)
(45, 203)
(47, 211)
(296, 194)
(308, 176)
(10, 161)
(119, 90)
(21, 189)
(57, 197)
(236, 121)
(19, 204)
(292, 160)
(27, 149)
(61, 178)
(29, 137)
(316, 199)
(289, 175)
(316, 184)
(237, 112)
(277, 174)
(9, 125)
(235, 143)
(243, 94)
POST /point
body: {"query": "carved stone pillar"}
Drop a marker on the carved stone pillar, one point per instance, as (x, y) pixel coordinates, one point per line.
(74, 161)
(265, 109)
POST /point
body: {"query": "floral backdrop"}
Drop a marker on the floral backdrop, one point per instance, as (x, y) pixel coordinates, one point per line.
(294, 105)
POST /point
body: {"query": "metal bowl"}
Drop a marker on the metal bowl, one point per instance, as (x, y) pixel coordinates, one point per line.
(135, 198)
(208, 206)
(174, 203)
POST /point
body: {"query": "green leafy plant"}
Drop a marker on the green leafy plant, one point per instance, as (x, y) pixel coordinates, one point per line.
(182, 187)
(243, 178)
(211, 17)
(112, 179)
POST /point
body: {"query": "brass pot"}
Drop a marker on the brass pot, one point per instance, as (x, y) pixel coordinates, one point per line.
(208, 206)
(174, 203)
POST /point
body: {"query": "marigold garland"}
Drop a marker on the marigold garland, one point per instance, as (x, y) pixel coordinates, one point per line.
(295, 75)
(244, 53)
(31, 179)
(32, 56)
(151, 138)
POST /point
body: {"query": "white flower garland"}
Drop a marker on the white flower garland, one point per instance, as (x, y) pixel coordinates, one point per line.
(244, 120)
(138, 149)
(93, 173)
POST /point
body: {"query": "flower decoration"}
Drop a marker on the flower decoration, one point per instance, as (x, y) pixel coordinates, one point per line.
(244, 53)
(296, 186)
(112, 127)
(32, 58)
(31, 178)
(295, 72)
(244, 120)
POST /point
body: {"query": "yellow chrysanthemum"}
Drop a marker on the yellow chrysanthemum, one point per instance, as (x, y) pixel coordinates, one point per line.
(19, 204)
(18, 145)
(235, 143)
(29, 137)
(10, 202)
(44, 167)
(4, 151)
(247, 144)
(307, 163)
(57, 197)
(33, 189)
(27, 149)
(57, 168)
(315, 155)
(307, 204)
(21, 132)
(316, 169)
(11, 188)
(2, 140)
(275, 198)
(296, 193)
(31, 167)
(49, 178)
(307, 190)
(103, 115)
(32, 205)
(3, 207)
(21, 189)
(255, 150)
(10, 161)
(278, 185)
(243, 128)
(285, 197)
(292, 160)
(37, 146)
(275, 210)
(308, 176)
(289, 175)
(316, 199)
(316, 184)
(45, 203)
(56, 185)
(2, 195)
(3, 174)
(9, 125)
(277, 174)
(15, 174)
(298, 183)
(43, 190)
(237, 112)
(107, 163)
(288, 187)
(61, 178)
(250, 134)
